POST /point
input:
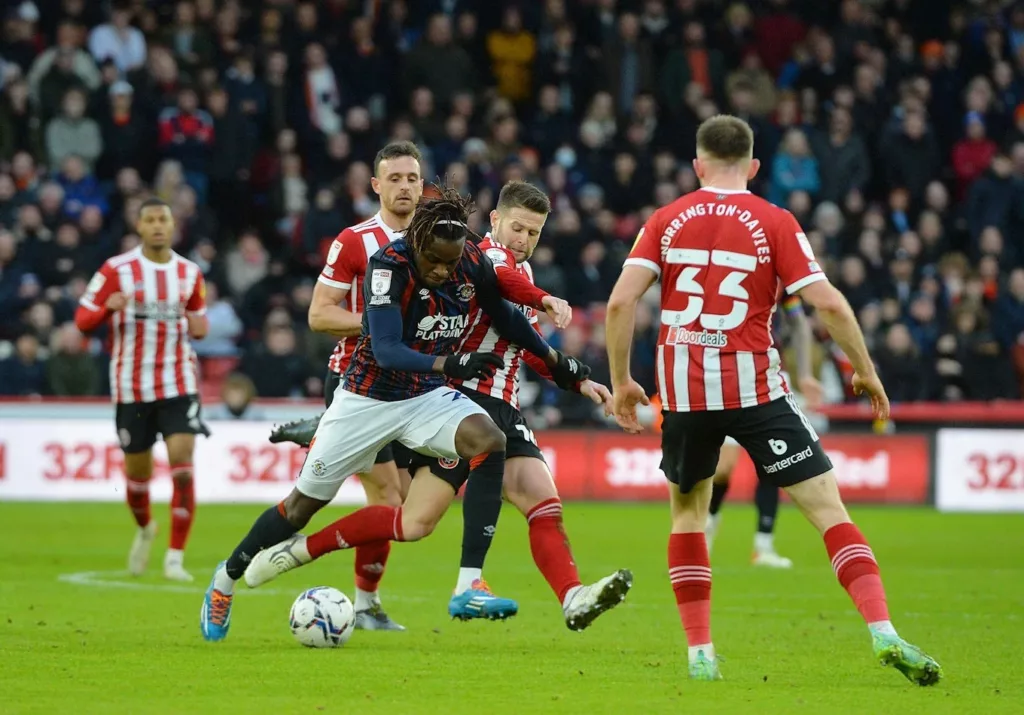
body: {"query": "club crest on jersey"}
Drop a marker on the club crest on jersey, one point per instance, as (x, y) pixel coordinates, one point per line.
(380, 281)
(448, 463)
(466, 291)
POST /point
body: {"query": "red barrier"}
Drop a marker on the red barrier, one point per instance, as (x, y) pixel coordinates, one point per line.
(613, 466)
(1002, 412)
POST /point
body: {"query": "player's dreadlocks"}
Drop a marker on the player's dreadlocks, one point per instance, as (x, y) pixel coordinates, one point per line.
(443, 217)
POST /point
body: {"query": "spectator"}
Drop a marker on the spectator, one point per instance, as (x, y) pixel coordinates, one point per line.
(899, 367)
(842, 158)
(70, 371)
(118, 40)
(18, 132)
(973, 154)
(81, 189)
(439, 64)
(24, 372)
(512, 50)
(128, 134)
(73, 133)
(247, 264)
(274, 368)
(794, 169)
(186, 136)
(225, 327)
(236, 395)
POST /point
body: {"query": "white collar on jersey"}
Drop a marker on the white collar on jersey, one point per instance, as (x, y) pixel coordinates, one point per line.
(487, 237)
(174, 259)
(712, 189)
(391, 233)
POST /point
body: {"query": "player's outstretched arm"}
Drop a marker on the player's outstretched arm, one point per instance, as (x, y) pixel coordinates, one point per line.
(837, 315)
(512, 325)
(619, 326)
(391, 353)
(327, 316)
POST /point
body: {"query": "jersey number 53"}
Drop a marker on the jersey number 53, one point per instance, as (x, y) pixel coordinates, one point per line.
(694, 261)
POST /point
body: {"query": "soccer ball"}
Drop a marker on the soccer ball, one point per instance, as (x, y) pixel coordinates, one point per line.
(322, 617)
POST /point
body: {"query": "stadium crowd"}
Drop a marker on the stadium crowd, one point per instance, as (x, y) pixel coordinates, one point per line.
(892, 129)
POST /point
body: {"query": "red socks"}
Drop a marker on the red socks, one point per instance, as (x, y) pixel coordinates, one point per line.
(370, 562)
(368, 525)
(137, 494)
(550, 547)
(689, 570)
(857, 571)
(183, 505)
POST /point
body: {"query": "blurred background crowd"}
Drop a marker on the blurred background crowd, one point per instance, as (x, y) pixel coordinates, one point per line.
(892, 129)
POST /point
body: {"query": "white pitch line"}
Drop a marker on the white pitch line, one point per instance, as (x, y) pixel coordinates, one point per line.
(97, 579)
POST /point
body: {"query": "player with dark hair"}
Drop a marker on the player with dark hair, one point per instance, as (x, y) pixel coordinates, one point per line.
(155, 301)
(516, 224)
(336, 308)
(721, 255)
(419, 296)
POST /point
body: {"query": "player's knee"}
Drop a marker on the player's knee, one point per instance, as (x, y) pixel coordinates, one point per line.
(417, 526)
(299, 508)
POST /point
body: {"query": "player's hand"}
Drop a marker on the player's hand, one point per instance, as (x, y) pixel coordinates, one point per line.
(471, 366)
(598, 394)
(872, 386)
(558, 310)
(624, 403)
(568, 372)
(812, 391)
(116, 301)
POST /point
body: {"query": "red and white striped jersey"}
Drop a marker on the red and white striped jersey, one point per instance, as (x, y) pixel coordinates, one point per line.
(482, 337)
(345, 268)
(721, 256)
(151, 357)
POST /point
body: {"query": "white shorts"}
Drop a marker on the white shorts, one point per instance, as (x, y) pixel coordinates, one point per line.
(354, 428)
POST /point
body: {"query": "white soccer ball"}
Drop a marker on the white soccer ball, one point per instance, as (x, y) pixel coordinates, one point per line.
(322, 617)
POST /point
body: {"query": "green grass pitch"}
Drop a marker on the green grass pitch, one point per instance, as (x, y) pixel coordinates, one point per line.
(792, 641)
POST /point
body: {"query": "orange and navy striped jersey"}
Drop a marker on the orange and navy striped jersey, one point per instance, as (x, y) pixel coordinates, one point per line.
(433, 319)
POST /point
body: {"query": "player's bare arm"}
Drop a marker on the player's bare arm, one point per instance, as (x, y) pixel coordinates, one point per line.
(327, 316)
(803, 345)
(837, 315)
(619, 325)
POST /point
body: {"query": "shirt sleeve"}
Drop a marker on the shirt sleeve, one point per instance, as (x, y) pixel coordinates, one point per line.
(103, 284)
(794, 257)
(509, 322)
(646, 251)
(197, 301)
(512, 284)
(345, 259)
(92, 310)
(385, 284)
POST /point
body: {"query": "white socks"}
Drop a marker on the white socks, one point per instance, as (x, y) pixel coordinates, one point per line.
(174, 557)
(764, 543)
(466, 579)
(365, 600)
(882, 628)
(708, 648)
(222, 582)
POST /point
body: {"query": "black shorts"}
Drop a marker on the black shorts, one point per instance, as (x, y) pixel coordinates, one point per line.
(139, 423)
(779, 439)
(394, 452)
(519, 441)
